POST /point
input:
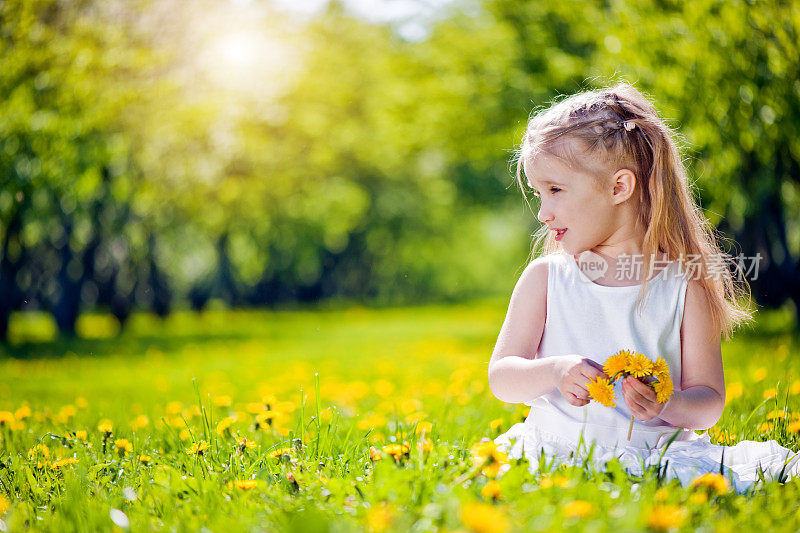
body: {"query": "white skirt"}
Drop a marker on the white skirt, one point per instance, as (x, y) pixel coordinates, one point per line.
(687, 457)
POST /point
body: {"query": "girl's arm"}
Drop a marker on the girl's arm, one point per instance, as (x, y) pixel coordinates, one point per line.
(516, 375)
(699, 403)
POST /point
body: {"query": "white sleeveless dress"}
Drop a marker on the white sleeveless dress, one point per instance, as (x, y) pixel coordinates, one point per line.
(597, 321)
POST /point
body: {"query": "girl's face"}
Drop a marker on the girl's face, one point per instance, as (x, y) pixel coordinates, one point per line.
(577, 208)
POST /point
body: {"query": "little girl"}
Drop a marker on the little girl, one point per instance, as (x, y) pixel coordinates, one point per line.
(630, 263)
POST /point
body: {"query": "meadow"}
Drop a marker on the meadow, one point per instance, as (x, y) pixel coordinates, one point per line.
(336, 420)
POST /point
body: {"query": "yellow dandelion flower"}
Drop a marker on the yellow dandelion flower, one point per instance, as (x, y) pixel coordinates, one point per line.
(713, 482)
(660, 368)
(40, 451)
(383, 388)
(663, 388)
(7, 420)
(23, 412)
(244, 444)
(424, 446)
(421, 427)
(145, 459)
(374, 454)
(282, 407)
(223, 401)
(770, 393)
(277, 454)
(776, 413)
(794, 388)
(81, 402)
(601, 390)
(140, 422)
(255, 407)
(105, 426)
(578, 508)
(224, 425)
(4, 505)
(720, 436)
(496, 424)
(561, 481)
(185, 434)
(81, 434)
(175, 421)
(243, 484)
(397, 451)
(664, 517)
(617, 363)
(766, 427)
(733, 391)
(193, 411)
(486, 450)
(794, 426)
(66, 412)
(493, 470)
(265, 419)
(639, 366)
(123, 446)
(759, 374)
(174, 408)
(63, 462)
(413, 418)
(482, 449)
(491, 491)
(484, 518)
(557, 480)
(379, 517)
(197, 448)
(698, 498)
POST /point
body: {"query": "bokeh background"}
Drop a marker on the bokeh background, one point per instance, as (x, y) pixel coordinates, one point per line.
(170, 155)
(254, 256)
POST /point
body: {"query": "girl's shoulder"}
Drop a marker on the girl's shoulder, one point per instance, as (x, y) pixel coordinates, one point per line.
(551, 263)
(539, 267)
(554, 258)
(532, 283)
(535, 277)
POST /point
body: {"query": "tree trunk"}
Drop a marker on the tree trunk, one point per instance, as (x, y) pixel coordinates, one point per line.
(70, 279)
(9, 294)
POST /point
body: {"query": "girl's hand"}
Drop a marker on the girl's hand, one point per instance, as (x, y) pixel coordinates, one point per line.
(640, 399)
(572, 374)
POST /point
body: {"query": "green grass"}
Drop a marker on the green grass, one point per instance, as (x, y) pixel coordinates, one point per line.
(340, 382)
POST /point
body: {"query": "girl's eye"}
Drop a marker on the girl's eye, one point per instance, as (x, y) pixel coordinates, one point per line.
(552, 190)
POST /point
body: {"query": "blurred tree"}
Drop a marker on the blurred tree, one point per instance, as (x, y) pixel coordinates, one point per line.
(232, 154)
(64, 168)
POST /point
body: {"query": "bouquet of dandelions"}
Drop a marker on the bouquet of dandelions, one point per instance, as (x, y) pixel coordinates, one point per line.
(625, 363)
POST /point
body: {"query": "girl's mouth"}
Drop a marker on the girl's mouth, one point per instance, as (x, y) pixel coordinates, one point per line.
(560, 234)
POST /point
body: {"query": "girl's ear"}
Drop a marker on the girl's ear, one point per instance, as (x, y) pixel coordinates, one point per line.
(624, 182)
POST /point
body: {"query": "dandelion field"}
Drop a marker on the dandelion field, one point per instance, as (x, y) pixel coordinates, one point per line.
(336, 420)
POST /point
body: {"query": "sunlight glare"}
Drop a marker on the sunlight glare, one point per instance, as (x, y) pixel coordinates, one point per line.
(239, 49)
(249, 62)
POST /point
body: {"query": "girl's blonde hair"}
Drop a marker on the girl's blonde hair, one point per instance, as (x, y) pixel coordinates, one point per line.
(614, 128)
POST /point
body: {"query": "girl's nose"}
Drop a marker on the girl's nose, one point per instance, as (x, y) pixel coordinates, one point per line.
(543, 215)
